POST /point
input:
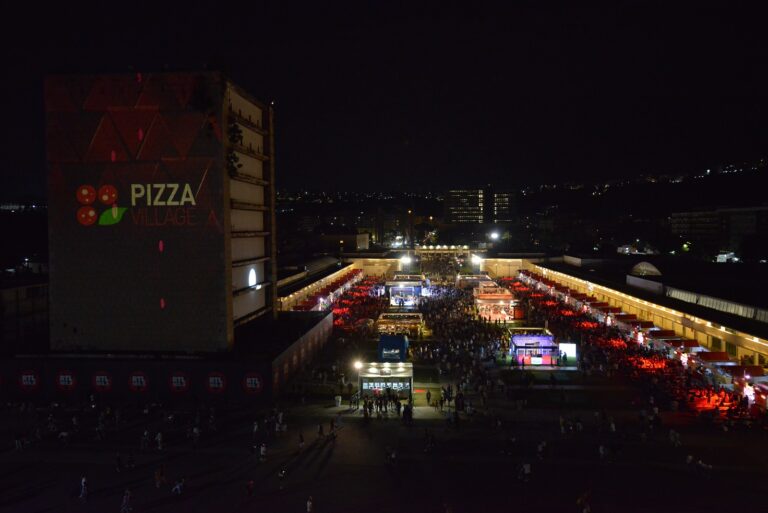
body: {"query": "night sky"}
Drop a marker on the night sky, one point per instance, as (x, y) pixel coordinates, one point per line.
(390, 96)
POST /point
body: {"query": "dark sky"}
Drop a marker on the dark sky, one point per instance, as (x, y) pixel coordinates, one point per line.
(387, 95)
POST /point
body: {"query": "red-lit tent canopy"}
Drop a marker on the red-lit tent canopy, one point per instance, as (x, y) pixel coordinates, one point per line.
(661, 334)
(738, 371)
(713, 356)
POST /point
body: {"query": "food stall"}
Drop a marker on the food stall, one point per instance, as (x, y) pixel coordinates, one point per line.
(406, 291)
(656, 338)
(712, 363)
(400, 323)
(497, 304)
(534, 346)
(471, 281)
(376, 378)
(606, 314)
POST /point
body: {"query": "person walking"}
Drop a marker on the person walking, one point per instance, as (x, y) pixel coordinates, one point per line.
(178, 487)
(125, 506)
(159, 476)
(249, 486)
(301, 441)
(83, 489)
(144, 440)
(310, 505)
(429, 397)
(159, 440)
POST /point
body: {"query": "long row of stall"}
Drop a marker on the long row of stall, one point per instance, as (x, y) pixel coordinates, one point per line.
(750, 380)
(324, 298)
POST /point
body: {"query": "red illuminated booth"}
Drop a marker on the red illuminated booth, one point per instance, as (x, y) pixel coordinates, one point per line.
(497, 304)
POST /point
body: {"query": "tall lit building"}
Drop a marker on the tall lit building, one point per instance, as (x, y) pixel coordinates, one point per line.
(502, 207)
(161, 217)
(465, 206)
(479, 206)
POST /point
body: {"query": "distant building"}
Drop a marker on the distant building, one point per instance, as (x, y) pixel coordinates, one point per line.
(726, 228)
(479, 206)
(465, 206)
(502, 207)
(702, 226)
(161, 211)
(346, 242)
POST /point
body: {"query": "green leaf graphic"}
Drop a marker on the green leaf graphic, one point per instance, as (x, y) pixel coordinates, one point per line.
(112, 216)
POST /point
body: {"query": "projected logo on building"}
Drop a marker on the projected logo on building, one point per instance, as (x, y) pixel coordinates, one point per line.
(173, 195)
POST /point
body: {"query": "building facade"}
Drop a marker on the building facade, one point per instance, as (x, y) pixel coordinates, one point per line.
(161, 217)
(465, 206)
(502, 207)
(479, 206)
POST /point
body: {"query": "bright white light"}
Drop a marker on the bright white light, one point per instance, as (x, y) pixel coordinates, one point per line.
(477, 260)
(252, 278)
(358, 365)
(406, 260)
(494, 235)
(568, 348)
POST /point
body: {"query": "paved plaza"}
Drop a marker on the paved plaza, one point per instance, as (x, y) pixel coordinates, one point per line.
(578, 434)
(473, 466)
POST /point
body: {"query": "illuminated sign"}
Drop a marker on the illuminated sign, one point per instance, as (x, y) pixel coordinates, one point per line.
(162, 194)
(216, 382)
(29, 380)
(252, 383)
(390, 354)
(101, 381)
(138, 382)
(178, 382)
(65, 380)
(381, 385)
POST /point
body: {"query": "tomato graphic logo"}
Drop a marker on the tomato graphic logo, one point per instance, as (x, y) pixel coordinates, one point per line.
(86, 194)
(86, 215)
(108, 194)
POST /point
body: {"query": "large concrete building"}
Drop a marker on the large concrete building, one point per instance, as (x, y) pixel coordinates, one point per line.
(161, 217)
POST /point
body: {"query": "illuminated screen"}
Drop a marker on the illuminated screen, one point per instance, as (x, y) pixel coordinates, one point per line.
(403, 296)
(136, 214)
(569, 349)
